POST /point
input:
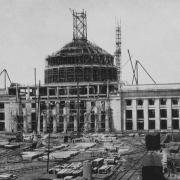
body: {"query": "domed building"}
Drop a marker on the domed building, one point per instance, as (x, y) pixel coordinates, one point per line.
(79, 79)
(84, 75)
(83, 92)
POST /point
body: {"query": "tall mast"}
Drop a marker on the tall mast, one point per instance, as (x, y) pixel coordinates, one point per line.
(118, 53)
(79, 25)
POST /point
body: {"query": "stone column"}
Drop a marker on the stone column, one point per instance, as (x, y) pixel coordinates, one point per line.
(28, 94)
(134, 114)
(75, 123)
(57, 114)
(67, 91)
(96, 118)
(99, 118)
(54, 113)
(66, 116)
(44, 123)
(48, 114)
(123, 119)
(107, 89)
(57, 93)
(157, 115)
(54, 124)
(107, 121)
(169, 114)
(14, 124)
(87, 90)
(65, 123)
(89, 121)
(98, 105)
(25, 124)
(86, 121)
(28, 115)
(146, 118)
(98, 89)
(96, 123)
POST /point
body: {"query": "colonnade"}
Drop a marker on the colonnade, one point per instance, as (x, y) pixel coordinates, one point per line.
(53, 115)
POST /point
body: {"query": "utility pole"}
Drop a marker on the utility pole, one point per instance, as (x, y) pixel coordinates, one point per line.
(49, 136)
(49, 119)
(77, 104)
(35, 96)
(48, 147)
(38, 110)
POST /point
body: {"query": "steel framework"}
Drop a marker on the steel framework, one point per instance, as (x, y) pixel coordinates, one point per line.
(79, 25)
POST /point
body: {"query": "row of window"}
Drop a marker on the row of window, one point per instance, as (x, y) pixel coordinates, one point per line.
(85, 59)
(151, 124)
(74, 74)
(73, 90)
(151, 102)
(151, 113)
(62, 104)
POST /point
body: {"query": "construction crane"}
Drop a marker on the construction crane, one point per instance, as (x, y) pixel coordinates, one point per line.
(6, 75)
(135, 70)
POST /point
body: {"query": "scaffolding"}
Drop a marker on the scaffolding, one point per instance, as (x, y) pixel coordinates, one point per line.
(79, 25)
(118, 53)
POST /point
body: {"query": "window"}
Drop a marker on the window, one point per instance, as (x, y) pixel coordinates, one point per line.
(33, 105)
(128, 114)
(151, 124)
(52, 92)
(2, 126)
(151, 113)
(83, 90)
(1, 116)
(62, 91)
(163, 113)
(43, 91)
(73, 91)
(42, 105)
(1, 105)
(128, 102)
(140, 125)
(175, 113)
(33, 116)
(175, 123)
(174, 101)
(163, 101)
(151, 102)
(140, 114)
(163, 124)
(129, 125)
(139, 102)
(92, 104)
(72, 104)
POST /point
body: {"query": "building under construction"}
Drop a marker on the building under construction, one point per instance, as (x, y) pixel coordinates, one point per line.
(83, 92)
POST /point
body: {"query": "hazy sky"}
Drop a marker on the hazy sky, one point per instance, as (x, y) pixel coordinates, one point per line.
(32, 29)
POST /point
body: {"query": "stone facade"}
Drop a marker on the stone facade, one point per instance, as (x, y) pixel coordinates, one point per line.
(134, 108)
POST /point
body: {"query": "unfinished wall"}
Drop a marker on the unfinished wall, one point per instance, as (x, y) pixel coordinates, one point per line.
(11, 109)
(116, 120)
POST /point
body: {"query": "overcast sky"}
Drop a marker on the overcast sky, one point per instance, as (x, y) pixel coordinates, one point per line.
(32, 29)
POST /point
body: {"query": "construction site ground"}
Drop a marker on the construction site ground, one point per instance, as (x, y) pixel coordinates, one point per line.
(128, 164)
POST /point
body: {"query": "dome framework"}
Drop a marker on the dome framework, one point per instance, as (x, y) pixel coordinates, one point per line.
(82, 61)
